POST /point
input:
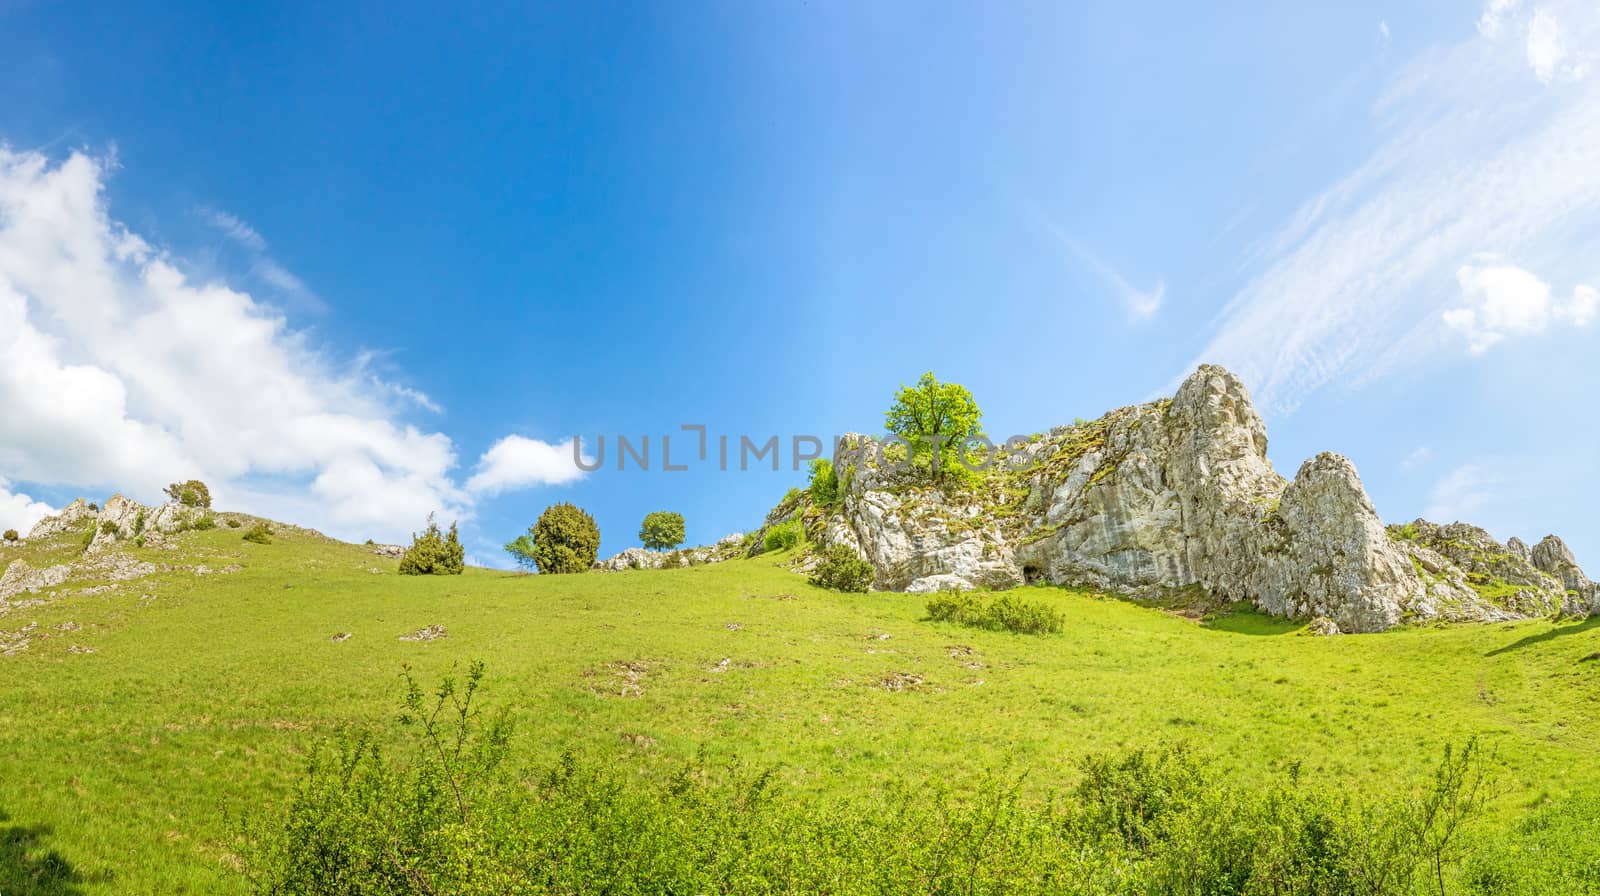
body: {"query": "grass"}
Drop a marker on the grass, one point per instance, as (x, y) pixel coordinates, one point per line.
(131, 764)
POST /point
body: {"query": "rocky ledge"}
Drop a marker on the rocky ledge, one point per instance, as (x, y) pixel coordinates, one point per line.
(1178, 495)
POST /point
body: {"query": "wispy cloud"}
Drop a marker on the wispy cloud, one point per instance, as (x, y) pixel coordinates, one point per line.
(1140, 304)
(1474, 153)
(1462, 493)
(263, 267)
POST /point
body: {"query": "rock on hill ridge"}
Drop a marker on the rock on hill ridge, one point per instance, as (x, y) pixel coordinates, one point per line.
(1178, 494)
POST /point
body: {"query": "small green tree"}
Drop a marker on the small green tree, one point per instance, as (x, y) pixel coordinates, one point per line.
(662, 529)
(936, 419)
(824, 487)
(11, 535)
(434, 553)
(260, 533)
(564, 540)
(193, 493)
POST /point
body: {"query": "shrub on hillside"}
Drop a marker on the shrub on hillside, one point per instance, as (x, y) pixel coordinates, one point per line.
(824, 487)
(451, 809)
(193, 493)
(661, 529)
(784, 536)
(564, 540)
(842, 570)
(1004, 613)
(234, 523)
(205, 523)
(11, 535)
(260, 533)
(434, 553)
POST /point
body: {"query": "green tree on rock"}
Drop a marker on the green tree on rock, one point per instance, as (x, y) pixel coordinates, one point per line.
(661, 530)
(434, 553)
(564, 540)
(190, 494)
(936, 419)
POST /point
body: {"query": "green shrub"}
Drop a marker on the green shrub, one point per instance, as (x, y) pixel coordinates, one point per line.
(451, 809)
(88, 535)
(564, 540)
(661, 529)
(434, 553)
(205, 523)
(108, 528)
(842, 570)
(824, 487)
(11, 535)
(139, 521)
(234, 523)
(784, 536)
(193, 493)
(260, 533)
(1006, 612)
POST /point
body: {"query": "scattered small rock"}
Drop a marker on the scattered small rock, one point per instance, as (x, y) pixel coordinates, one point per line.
(1322, 626)
(733, 626)
(340, 637)
(642, 741)
(901, 681)
(431, 633)
(881, 636)
(68, 627)
(721, 666)
(624, 678)
(80, 650)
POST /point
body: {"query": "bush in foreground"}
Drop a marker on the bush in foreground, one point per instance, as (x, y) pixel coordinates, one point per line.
(11, 535)
(260, 533)
(1006, 612)
(842, 570)
(452, 811)
(434, 553)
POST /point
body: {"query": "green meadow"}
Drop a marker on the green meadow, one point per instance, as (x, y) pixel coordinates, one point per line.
(144, 723)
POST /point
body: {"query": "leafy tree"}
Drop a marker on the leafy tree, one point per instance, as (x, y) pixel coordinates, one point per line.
(564, 540)
(662, 529)
(936, 419)
(434, 553)
(193, 493)
(11, 535)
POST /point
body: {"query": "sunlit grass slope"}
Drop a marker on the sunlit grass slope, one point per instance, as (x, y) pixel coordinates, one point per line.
(202, 694)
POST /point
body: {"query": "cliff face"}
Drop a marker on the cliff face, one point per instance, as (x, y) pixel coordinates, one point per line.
(1177, 494)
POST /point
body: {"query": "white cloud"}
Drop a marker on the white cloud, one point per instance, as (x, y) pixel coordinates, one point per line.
(123, 373)
(18, 511)
(1470, 155)
(1492, 23)
(1461, 494)
(1548, 53)
(1503, 300)
(235, 229)
(1417, 459)
(1383, 32)
(517, 462)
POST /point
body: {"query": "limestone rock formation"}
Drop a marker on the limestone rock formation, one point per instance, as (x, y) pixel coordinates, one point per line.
(72, 518)
(1173, 495)
(727, 548)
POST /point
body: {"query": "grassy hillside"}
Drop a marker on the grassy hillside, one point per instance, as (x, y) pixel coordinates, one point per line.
(120, 767)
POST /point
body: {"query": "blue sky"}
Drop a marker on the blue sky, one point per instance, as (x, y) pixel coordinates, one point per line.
(331, 258)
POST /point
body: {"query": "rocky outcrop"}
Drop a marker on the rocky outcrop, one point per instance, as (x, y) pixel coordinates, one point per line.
(727, 548)
(72, 518)
(1173, 495)
(1552, 557)
(22, 578)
